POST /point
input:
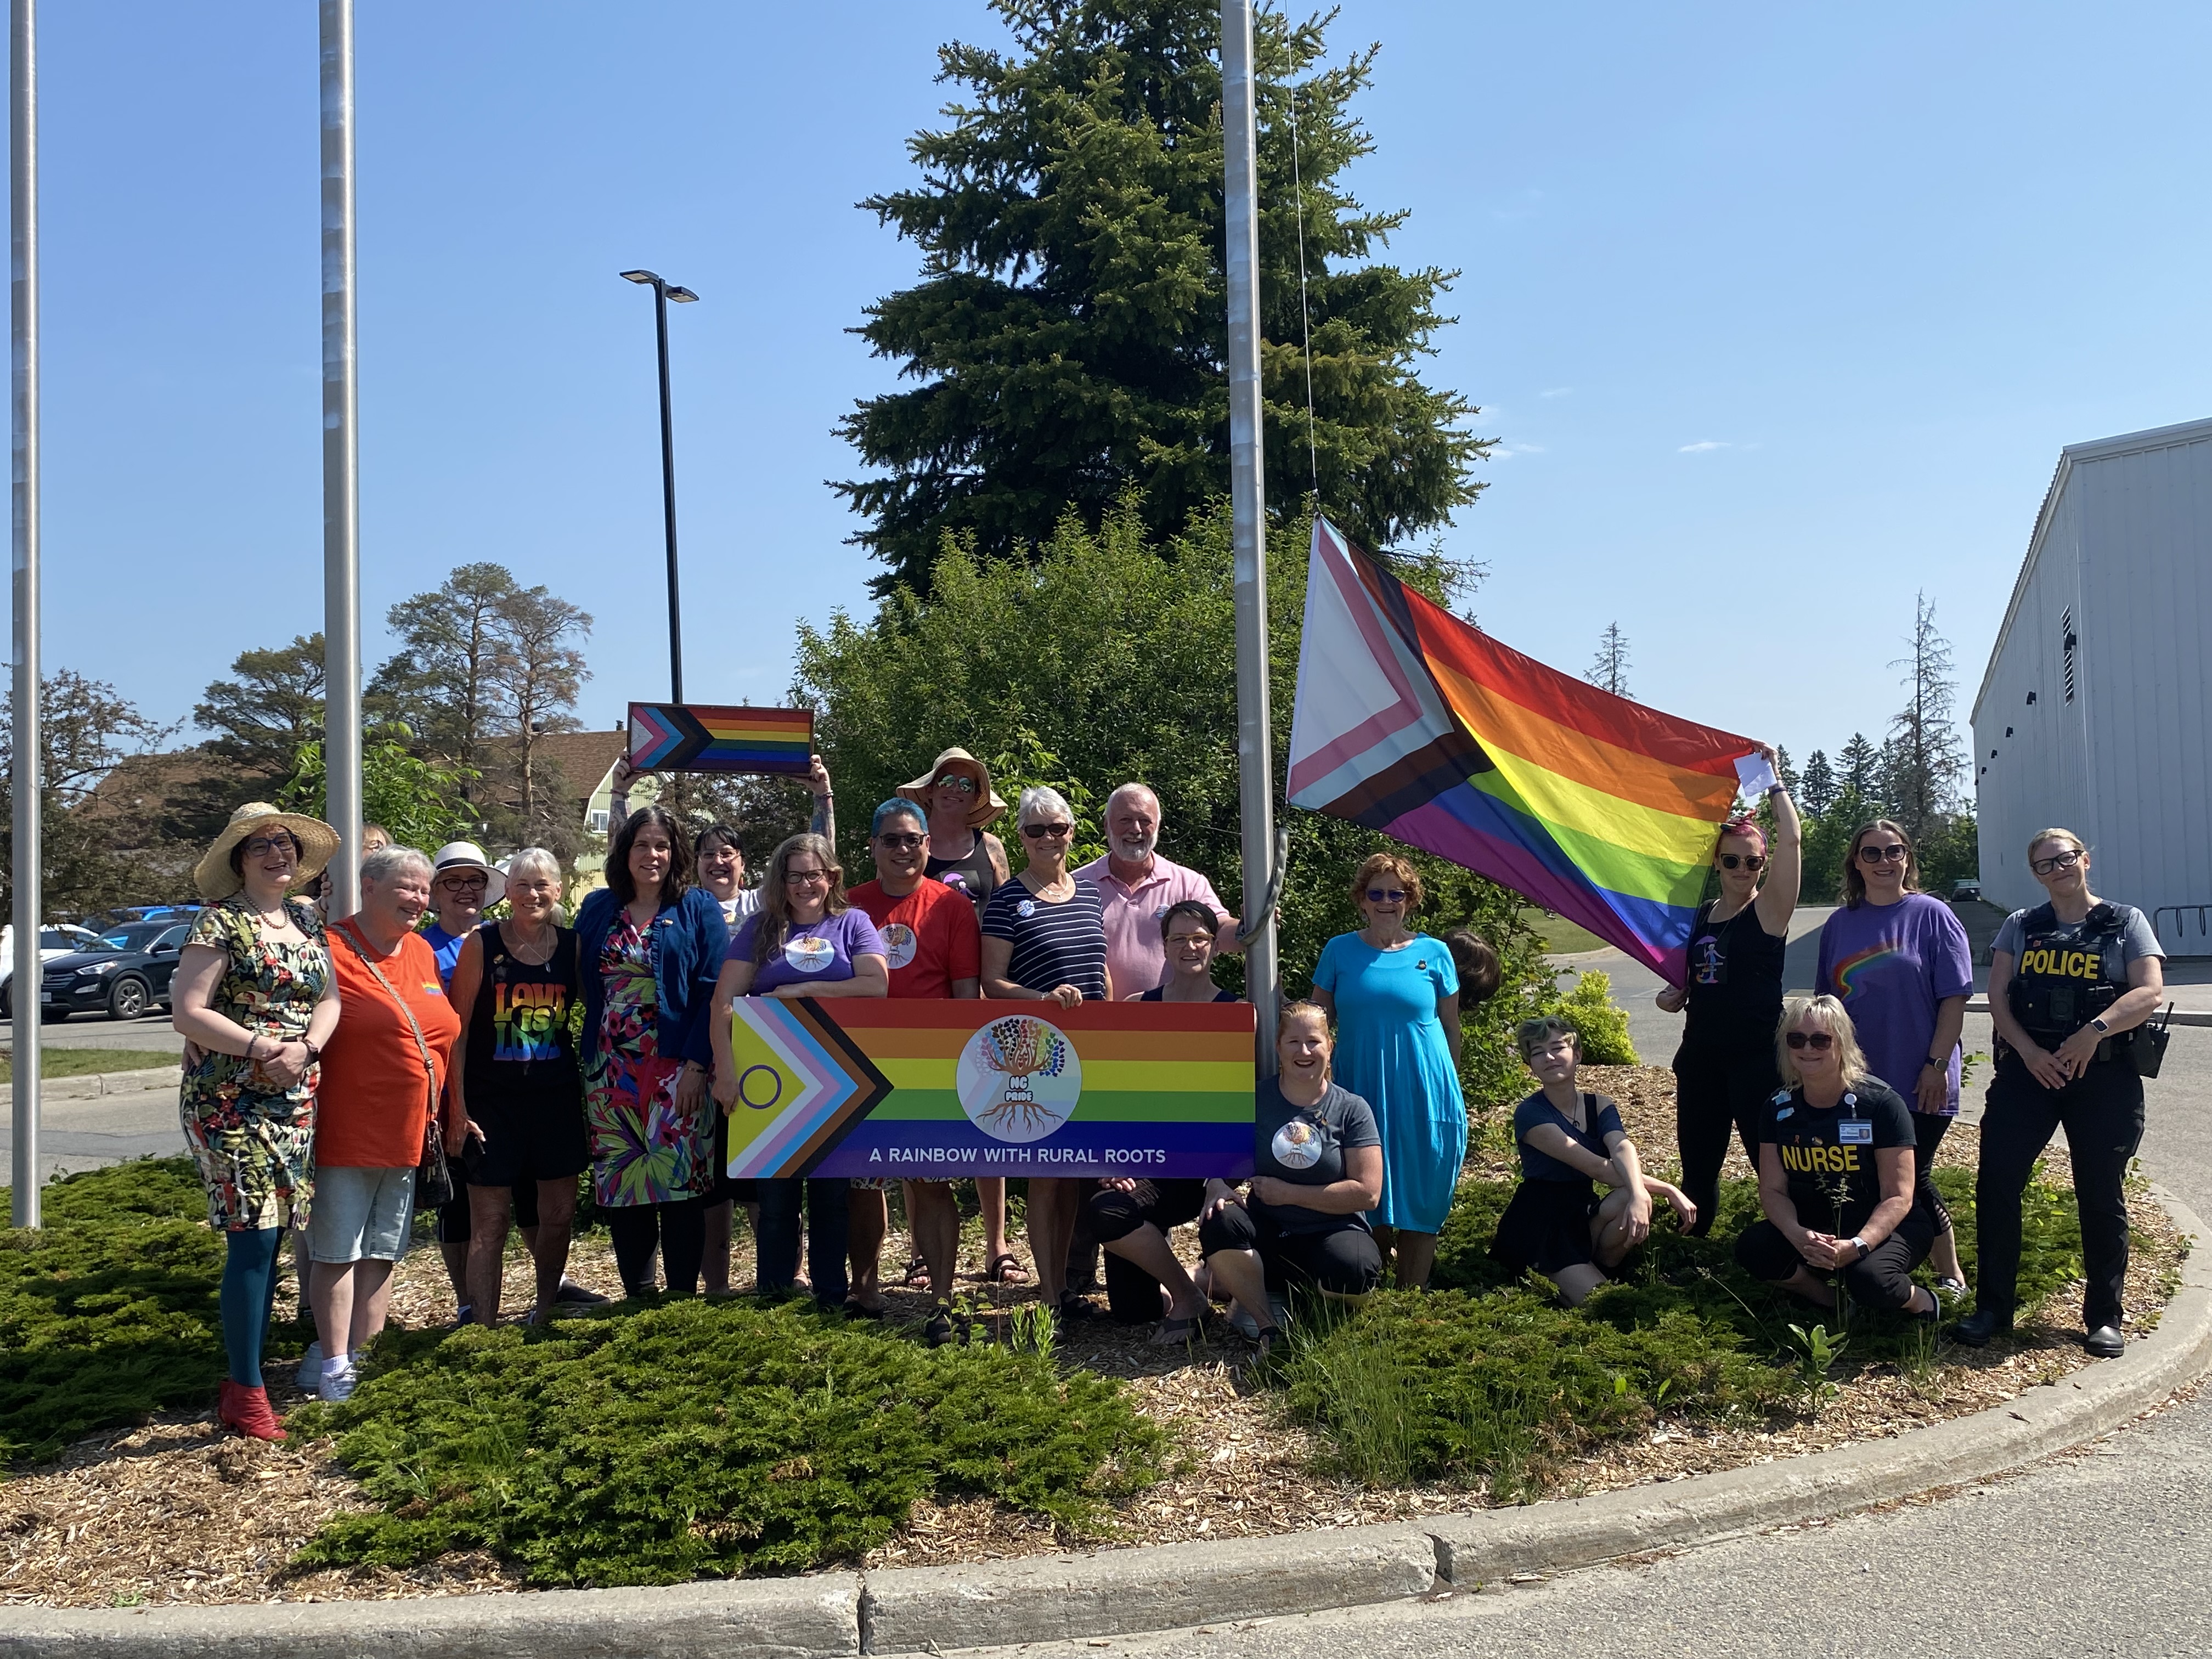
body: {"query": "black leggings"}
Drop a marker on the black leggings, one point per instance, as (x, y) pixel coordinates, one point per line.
(1929, 1129)
(678, 1228)
(1881, 1279)
(1345, 1259)
(2102, 1111)
(453, 1224)
(1132, 1294)
(1716, 1091)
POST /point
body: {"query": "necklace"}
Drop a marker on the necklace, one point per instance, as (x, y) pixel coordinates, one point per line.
(527, 952)
(277, 923)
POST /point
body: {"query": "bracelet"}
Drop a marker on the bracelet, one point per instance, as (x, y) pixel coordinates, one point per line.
(314, 1053)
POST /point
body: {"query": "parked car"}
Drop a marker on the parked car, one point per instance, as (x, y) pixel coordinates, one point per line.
(56, 938)
(1968, 887)
(123, 974)
(107, 921)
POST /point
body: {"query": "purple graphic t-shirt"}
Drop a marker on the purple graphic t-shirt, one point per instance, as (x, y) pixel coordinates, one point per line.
(817, 952)
(1891, 964)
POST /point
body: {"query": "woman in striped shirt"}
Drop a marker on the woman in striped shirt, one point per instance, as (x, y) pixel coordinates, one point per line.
(1044, 940)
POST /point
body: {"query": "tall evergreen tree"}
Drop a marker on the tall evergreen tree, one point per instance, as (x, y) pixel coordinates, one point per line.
(1069, 335)
(441, 680)
(1608, 671)
(1818, 791)
(1859, 764)
(1922, 759)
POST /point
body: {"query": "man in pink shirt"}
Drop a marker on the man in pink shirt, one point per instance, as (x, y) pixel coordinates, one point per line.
(1137, 885)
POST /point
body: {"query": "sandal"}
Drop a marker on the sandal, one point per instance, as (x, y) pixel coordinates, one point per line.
(854, 1310)
(938, 1331)
(1073, 1307)
(917, 1271)
(1178, 1332)
(1003, 1267)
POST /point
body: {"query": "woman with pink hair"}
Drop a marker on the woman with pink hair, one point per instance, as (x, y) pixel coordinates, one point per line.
(1724, 1070)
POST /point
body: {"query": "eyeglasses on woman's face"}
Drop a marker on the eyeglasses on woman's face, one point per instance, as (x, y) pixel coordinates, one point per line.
(1047, 831)
(959, 781)
(261, 845)
(1748, 861)
(2058, 861)
(804, 877)
(472, 884)
(1894, 852)
(1386, 896)
(1819, 1041)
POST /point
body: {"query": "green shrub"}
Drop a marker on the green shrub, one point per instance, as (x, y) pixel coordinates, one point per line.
(108, 1311)
(708, 1440)
(1603, 1023)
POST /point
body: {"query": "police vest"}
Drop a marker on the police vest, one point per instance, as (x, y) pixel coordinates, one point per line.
(2060, 983)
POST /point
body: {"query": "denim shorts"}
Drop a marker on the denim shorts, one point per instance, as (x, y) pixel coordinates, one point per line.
(360, 1214)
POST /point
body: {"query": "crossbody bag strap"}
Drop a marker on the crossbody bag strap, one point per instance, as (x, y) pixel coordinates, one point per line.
(421, 1047)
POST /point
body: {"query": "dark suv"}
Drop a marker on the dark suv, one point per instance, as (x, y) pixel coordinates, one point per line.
(127, 974)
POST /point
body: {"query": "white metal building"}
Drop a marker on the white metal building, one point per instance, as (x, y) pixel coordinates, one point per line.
(2093, 712)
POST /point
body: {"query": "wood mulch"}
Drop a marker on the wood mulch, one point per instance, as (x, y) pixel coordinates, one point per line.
(172, 1511)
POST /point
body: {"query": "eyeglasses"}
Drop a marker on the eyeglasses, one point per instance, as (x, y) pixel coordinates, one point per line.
(261, 846)
(1819, 1041)
(2065, 860)
(1047, 831)
(1386, 896)
(1189, 941)
(959, 781)
(801, 877)
(899, 843)
(1749, 860)
(464, 883)
(1895, 852)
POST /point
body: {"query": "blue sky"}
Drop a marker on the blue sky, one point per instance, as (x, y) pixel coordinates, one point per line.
(1782, 313)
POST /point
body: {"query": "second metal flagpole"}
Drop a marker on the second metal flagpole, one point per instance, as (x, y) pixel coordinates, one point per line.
(341, 737)
(28, 749)
(1256, 769)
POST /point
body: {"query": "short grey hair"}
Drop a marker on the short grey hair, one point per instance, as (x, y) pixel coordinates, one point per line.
(1133, 788)
(534, 861)
(1040, 799)
(386, 862)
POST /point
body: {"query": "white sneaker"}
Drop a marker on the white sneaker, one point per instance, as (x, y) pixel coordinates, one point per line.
(311, 1369)
(335, 1385)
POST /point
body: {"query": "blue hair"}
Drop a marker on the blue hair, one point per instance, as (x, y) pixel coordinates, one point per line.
(892, 808)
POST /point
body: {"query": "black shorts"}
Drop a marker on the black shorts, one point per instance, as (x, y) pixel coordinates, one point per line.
(1547, 1227)
(1343, 1258)
(527, 1139)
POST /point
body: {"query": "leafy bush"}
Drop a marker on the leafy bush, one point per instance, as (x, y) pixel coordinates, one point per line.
(706, 1440)
(1603, 1023)
(108, 1311)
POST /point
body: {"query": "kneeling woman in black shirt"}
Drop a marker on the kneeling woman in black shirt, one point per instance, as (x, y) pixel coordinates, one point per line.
(1835, 1172)
(1570, 1139)
(1317, 1163)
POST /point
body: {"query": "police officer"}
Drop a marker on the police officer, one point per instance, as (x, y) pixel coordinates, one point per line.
(2070, 980)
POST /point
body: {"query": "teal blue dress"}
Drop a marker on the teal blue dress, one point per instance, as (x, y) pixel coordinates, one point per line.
(1392, 1052)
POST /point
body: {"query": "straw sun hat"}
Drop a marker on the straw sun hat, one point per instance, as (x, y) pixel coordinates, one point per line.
(215, 877)
(987, 805)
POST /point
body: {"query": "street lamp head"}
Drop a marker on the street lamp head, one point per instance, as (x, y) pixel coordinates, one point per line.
(685, 294)
(640, 276)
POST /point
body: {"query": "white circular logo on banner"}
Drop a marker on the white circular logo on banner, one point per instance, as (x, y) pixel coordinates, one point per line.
(898, 943)
(1296, 1145)
(1019, 1079)
(809, 956)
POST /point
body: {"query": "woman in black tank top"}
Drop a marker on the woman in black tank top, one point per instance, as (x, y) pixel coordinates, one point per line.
(518, 1088)
(1724, 1070)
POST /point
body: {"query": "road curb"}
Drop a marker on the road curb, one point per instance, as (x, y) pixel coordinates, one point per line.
(1166, 1587)
(92, 1085)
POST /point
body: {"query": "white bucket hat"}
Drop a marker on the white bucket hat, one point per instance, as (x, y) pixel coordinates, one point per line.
(467, 855)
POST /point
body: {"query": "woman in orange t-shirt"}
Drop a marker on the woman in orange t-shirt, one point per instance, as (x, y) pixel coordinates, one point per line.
(382, 1074)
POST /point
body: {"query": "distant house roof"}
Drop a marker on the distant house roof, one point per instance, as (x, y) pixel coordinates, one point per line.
(585, 757)
(142, 783)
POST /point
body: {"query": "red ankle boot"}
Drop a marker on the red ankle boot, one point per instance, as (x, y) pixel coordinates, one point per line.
(248, 1410)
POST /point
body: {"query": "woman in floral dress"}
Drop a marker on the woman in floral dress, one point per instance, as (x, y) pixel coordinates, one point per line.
(255, 999)
(651, 945)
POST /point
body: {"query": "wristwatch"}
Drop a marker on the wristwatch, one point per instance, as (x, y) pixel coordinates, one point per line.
(1943, 1061)
(2099, 1023)
(1860, 1244)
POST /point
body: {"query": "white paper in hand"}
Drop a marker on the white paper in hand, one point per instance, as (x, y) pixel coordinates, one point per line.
(1754, 775)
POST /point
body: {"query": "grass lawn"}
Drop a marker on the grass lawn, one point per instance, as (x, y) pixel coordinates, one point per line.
(1559, 935)
(82, 1062)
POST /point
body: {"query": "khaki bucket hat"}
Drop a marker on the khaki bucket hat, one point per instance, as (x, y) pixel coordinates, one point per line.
(988, 807)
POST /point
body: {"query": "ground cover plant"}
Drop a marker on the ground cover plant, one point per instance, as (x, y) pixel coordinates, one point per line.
(708, 1440)
(108, 1311)
(82, 1062)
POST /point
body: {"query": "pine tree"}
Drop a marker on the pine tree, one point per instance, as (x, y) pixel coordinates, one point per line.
(1859, 764)
(440, 681)
(1785, 771)
(1069, 335)
(1818, 791)
(1608, 669)
(1922, 760)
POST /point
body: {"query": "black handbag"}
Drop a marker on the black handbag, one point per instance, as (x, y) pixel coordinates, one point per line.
(434, 1175)
(2148, 1049)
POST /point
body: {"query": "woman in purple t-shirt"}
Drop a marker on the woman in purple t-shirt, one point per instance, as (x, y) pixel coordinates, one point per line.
(1899, 961)
(807, 941)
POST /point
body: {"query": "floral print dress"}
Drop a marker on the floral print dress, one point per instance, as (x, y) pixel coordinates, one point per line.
(645, 1148)
(252, 1138)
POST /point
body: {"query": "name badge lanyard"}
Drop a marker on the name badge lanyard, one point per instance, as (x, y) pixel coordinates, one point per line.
(1854, 1130)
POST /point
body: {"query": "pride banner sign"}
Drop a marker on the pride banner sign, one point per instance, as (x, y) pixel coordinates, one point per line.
(698, 736)
(863, 1086)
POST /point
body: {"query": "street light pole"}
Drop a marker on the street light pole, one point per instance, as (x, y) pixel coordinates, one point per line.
(662, 293)
(25, 778)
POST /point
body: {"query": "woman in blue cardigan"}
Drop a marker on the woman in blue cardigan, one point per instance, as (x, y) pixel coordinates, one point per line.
(650, 946)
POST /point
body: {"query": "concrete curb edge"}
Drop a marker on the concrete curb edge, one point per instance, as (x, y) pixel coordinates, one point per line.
(1166, 1587)
(90, 1086)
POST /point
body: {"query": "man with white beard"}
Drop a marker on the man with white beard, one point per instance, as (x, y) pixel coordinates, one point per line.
(1137, 885)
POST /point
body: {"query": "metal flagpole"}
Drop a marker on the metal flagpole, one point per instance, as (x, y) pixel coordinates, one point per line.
(1255, 770)
(26, 780)
(341, 468)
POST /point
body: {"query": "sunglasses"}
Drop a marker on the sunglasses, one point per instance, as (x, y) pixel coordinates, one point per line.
(2041, 866)
(1819, 1041)
(1895, 852)
(959, 781)
(1749, 860)
(1386, 896)
(1047, 831)
(899, 843)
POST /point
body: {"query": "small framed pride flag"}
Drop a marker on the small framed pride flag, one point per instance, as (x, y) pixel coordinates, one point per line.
(697, 737)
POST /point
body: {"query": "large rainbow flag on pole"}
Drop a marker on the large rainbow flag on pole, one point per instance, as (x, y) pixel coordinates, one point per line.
(1416, 723)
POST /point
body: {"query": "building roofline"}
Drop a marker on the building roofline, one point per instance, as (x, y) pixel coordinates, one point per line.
(2096, 449)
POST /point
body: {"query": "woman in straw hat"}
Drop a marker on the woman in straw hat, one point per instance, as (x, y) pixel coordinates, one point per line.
(255, 999)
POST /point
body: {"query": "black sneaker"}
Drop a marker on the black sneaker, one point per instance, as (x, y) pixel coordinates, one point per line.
(580, 1295)
(1976, 1329)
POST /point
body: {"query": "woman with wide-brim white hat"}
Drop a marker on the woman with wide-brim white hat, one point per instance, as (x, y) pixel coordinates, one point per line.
(255, 999)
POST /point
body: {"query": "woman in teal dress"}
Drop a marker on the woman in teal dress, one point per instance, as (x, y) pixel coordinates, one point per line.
(1393, 995)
